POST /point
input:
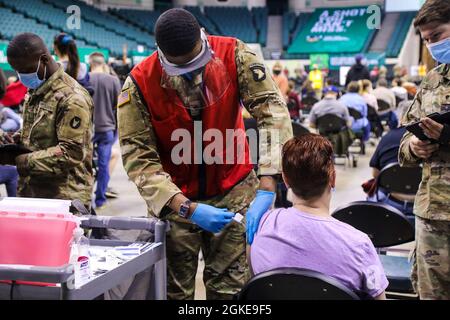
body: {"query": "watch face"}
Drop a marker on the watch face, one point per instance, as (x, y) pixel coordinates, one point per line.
(184, 209)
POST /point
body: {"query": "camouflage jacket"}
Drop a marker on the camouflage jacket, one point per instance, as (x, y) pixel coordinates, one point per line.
(57, 127)
(259, 95)
(433, 198)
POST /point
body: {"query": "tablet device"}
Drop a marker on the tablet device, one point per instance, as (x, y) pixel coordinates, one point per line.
(440, 117)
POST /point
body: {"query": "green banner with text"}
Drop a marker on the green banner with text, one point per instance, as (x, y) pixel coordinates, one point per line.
(370, 60)
(333, 30)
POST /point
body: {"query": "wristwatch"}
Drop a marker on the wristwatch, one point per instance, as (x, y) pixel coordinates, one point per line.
(184, 209)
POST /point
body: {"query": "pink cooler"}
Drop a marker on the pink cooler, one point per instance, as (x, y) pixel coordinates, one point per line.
(35, 239)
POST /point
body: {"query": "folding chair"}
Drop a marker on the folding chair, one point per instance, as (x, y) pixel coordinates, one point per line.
(375, 122)
(383, 106)
(395, 179)
(331, 126)
(308, 103)
(386, 226)
(299, 130)
(295, 284)
(359, 134)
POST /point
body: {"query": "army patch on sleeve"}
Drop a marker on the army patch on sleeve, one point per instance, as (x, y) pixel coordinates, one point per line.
(124, 97)
(75, 123)
(258, 71)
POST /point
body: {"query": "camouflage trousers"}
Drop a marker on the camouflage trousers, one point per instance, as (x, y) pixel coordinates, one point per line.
(431, 269)
(226, 270)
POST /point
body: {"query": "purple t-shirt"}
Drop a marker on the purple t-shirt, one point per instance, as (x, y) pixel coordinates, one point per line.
(291, 238)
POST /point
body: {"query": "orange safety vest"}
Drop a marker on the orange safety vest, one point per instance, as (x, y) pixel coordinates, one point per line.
(167, 113)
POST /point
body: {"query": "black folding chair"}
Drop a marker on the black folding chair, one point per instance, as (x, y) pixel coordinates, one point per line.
(299, 130)
(359, 135)
(395, 179)
(375, 121)
(383, 106)
(308, 103)
(405, 180)
(332, 127)
(330, 124)
(295, 284)
(354, 113)
(386, 226)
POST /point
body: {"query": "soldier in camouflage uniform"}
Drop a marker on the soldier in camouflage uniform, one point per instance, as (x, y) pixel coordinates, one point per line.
(221, 239)
(431, 272)
(57, 126)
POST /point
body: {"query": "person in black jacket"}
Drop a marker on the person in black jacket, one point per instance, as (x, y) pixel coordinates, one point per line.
(358, 71)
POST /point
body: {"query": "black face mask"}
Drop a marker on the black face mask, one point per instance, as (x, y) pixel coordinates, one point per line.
(276, 72)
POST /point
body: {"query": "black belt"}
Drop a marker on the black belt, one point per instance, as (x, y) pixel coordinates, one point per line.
(401, 202)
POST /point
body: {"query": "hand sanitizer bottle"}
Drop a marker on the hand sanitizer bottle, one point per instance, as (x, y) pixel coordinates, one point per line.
(80, 258)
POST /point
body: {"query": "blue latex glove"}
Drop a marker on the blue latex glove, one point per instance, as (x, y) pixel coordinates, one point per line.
(260, 205)
(211, 218)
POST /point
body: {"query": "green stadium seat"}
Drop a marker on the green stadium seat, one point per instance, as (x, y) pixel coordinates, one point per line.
(234, 21)
(48, 18)
(204, 21)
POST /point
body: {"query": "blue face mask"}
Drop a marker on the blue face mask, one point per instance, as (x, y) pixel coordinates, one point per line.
(31, 80)
(440, 51)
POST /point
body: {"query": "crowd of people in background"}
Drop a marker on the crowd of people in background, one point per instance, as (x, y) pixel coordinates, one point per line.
(374, 84)
(370, 105)
(373, 96)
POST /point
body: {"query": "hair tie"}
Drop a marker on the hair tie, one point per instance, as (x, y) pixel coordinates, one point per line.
(66, 39)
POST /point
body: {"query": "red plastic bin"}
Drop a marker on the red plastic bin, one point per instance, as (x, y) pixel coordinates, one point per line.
(36, 239)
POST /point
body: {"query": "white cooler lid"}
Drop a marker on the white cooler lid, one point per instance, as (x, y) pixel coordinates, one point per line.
(35, 205)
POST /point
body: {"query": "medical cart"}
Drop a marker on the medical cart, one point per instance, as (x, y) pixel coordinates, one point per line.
(32, 282)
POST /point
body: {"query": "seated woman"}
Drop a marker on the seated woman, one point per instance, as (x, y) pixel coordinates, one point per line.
(305, 235)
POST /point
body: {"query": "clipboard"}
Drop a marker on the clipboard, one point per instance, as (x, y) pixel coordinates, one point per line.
(440, 117)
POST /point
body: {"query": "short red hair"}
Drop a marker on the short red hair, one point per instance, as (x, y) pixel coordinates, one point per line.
(308, 165)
